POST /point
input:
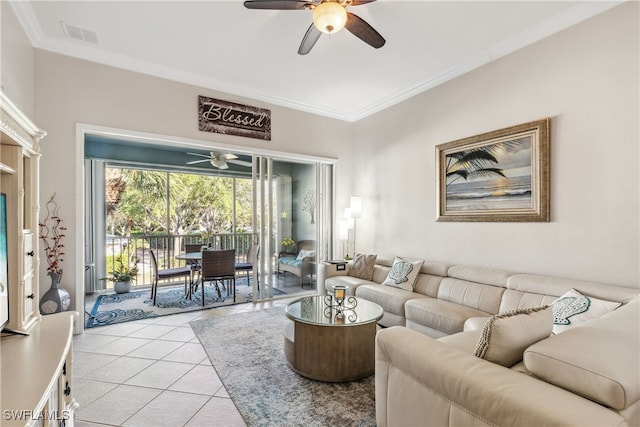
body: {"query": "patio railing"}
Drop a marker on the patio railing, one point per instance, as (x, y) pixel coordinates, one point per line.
(165, 248)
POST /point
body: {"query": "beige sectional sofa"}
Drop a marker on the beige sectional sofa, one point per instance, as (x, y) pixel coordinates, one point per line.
(426, 373)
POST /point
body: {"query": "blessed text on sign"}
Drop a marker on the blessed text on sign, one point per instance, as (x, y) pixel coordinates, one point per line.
(230, 118)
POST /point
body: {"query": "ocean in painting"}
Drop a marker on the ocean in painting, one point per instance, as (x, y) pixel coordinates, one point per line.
(490, 194)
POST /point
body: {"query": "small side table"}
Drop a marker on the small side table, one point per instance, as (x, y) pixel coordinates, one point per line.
(340, 264)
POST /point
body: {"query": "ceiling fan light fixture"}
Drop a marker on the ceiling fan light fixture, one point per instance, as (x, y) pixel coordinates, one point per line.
(329, 17)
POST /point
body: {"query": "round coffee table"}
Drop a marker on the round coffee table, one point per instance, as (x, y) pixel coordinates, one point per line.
(320, 346)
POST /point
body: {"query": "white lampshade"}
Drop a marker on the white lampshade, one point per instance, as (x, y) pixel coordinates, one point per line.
(356, 206)
(329, 17)
(347, 215)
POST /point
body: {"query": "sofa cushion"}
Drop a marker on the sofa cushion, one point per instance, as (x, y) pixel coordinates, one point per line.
(403, 273)
(391, 299)
(505, 336)
(489, 276)
(444, 316)
(428, 281)
(362, 266)
(597, 360)
(350, 282)
(289, 260)
(574, 308)
(557, 286)
(480, 296)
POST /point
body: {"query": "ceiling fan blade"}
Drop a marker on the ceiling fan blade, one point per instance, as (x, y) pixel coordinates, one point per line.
(197, 161)
(241, 163)
(309, 40)
(228, 156)
(359, 2)
(278, 4)
(365, 32)
(201, 155)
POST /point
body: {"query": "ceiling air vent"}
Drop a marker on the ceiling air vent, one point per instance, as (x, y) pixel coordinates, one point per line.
(77, 33)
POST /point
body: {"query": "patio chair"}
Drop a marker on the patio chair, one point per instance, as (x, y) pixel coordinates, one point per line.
(169, 273)
(219, 267)
(247, 265)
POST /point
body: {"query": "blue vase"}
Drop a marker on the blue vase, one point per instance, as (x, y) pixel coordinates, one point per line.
(56, 299)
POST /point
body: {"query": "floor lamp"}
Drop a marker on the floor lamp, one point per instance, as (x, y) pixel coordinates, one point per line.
(355, 212)
(343, 234)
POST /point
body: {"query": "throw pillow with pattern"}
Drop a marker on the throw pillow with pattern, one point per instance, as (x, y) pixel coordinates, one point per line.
(574, 308)
(305, 254)
(362, 266)
(403, 273)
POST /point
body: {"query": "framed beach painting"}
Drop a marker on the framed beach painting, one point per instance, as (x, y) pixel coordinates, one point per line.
(500, 176)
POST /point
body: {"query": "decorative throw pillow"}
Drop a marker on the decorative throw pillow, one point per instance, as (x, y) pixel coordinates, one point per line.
(362, 266)
(506, 336)
(403, 273)
(304, 254)
(574, 308)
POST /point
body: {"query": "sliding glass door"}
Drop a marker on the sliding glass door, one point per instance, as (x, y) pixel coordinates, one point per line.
(293, 202)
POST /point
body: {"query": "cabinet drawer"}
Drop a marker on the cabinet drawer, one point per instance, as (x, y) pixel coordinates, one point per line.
(29, 297)
(27, 239)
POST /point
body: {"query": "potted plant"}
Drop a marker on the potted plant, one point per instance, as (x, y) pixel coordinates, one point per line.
(122, 275)
(288, 245)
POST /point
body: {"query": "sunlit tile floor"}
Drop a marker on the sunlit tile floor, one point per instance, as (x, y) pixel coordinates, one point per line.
(152, 372)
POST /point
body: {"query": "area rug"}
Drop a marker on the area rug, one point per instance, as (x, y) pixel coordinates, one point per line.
(246, 350)
(114, 308)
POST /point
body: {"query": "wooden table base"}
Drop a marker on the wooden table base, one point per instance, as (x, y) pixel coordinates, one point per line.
(331, 353)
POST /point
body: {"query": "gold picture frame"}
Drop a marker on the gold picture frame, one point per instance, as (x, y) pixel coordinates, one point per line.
(499, 176)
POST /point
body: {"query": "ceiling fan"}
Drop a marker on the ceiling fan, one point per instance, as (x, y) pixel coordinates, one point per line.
(219, 160)
(329, 16)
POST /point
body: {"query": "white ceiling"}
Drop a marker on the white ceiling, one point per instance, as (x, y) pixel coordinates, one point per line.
(223, 46)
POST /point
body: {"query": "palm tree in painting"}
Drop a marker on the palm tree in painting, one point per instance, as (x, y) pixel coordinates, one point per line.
(473, 163)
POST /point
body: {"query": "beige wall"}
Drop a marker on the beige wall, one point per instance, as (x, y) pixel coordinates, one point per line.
(586, 80)
(70, 91)
(16, 61)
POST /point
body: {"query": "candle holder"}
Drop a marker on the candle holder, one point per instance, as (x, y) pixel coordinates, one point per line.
(342, 303)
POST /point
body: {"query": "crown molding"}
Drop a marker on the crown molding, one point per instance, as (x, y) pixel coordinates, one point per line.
(569, 17)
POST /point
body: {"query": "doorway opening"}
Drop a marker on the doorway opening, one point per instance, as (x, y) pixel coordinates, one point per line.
(142, 197)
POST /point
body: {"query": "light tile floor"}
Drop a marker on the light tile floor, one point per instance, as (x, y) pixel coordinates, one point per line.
(152, 372)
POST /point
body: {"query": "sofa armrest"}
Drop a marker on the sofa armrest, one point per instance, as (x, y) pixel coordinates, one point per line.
(474, 323)
(420, 381)
(326, 270)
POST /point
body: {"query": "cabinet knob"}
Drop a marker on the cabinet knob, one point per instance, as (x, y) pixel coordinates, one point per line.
(31, 296)
(31, 253)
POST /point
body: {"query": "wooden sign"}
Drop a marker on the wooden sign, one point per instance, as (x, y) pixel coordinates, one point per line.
(230, 118)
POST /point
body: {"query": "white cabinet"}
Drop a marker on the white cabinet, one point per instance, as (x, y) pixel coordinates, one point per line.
(37, 381)
(19, 175)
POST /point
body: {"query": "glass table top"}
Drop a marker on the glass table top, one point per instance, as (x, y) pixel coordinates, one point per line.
(322, 310)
